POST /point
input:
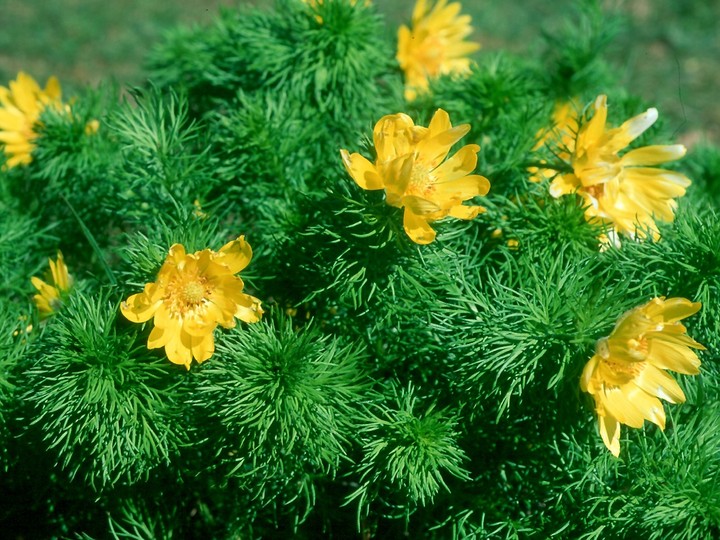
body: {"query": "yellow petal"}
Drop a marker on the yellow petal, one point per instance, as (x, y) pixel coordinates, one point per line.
(420, 206)
(619, 138)
(236, 255)
(587, 375)
(176, 255)
(139, 308)
(417, 228)
(203, 347)
(462, 163)
(12, 120)
(179, 349)
(658, 383)
(619, 406)
(52, 89)
(433, 150)
(654, 183)
(440, 122)
(460, 190)
(249, 309)
(653, 155)
(392, 136)
(159, 337)
(610, 433)
(594, 129)
(674, 309)
(667, 355)
(564, 184)
(646, 403)
(362, 171)
(198, 326)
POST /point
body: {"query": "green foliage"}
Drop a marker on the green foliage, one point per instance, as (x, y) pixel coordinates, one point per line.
(282, 407)
(390, 389)
(164, 162)
(103, 406)
(407, 453)
(21, 237)
(574, 56)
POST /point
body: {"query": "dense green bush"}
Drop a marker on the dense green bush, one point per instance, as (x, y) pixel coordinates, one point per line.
(391, 389)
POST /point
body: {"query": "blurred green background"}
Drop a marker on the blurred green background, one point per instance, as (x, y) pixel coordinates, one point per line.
(668, 51)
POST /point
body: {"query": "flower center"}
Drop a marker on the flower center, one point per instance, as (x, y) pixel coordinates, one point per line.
(193, 292)
(638, 348)
(419, 183)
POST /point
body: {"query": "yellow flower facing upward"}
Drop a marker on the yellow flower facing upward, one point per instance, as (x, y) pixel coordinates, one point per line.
(50, 295)
(626, 376)
(194, 293)
(20, 108)
(623, 193)
(435, 45)
(411, 168)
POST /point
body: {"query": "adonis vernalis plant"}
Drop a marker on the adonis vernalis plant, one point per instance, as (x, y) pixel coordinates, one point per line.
(381, 390)
(195, 292)
(627, 374)
(411, 168)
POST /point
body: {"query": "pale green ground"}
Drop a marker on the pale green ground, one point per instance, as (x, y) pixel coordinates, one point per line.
(669, 51)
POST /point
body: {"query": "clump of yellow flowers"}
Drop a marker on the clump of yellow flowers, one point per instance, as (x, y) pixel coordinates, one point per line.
(623, 193)
(435, 45)
(50, 295)
(411, 168)
(193, 293)
(20, 108)
(626, 376)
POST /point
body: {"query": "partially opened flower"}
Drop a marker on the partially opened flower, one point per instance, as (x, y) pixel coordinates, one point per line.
(624, 193)
(412, 169)
(50, 295)
(434, 45)
(194, 293)
(627, 374)
(20, 108)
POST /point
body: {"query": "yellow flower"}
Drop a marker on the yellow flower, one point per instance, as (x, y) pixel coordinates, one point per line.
(50, 295)
(20, 108)
(410, 168)
(623, 193)
(560, 138)
(626, 376)
(434, 46)
(194, 293)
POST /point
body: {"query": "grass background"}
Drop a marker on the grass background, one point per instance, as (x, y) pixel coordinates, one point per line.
(668, 51)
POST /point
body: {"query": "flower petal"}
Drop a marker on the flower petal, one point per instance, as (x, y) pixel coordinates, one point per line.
(610, 433)
(653, 155)
(362, 171)
(203, 347)
(139, 308)
(179, 349)
(249, 309)
(236, 255)
(417, 228)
